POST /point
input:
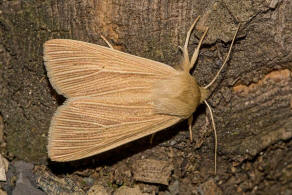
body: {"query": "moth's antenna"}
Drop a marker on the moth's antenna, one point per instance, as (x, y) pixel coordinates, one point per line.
(196, 52)
(225, 61)
(186, 62)
(215, 135)
(209, 107)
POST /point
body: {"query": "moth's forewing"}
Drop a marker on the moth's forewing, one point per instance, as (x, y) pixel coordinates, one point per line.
(84, 127)
(77, 68)
(110, 98)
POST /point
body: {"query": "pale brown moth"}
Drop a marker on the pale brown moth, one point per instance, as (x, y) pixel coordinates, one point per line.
(114, 98)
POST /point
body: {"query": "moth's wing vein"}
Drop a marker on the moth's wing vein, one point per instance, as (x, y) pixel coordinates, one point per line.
(110, 101)
(77, 68)
(76, 132)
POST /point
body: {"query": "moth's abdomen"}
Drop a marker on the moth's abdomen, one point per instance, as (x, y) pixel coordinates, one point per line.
(178, 95)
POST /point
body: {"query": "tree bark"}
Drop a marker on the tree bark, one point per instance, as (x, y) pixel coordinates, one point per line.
(252, 99)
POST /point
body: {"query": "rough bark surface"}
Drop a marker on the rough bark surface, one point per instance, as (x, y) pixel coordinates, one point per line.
(252, 99)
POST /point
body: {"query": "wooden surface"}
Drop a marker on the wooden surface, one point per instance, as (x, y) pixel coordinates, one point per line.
(252, 99)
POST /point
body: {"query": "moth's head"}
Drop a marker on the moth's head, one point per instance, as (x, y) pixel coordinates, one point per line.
(204, 94)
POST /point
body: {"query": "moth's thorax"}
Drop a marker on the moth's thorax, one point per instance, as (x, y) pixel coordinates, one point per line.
(177, 95)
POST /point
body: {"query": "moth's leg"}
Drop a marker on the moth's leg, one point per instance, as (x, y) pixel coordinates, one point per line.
(215, 135)
(196, 52)
(107, 42)
(225, 61)
(185, 48)
(190, 122)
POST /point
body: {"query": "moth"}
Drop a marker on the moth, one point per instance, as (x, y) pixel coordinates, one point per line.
(114, 98)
